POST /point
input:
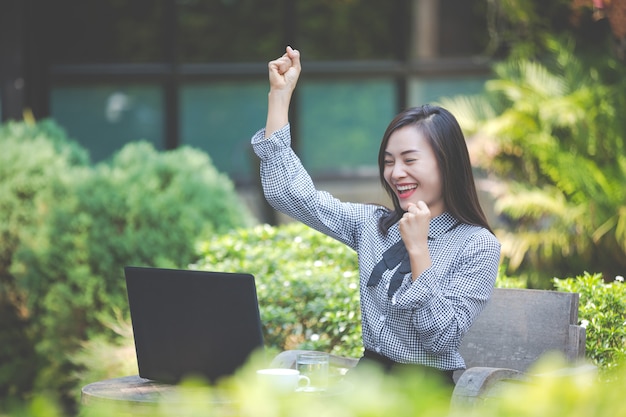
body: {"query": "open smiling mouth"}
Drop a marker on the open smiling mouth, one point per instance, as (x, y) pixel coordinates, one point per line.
(405, 190)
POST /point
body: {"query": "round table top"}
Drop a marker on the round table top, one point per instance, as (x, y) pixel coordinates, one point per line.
(129, 388)
(136, 390)
(134, 395)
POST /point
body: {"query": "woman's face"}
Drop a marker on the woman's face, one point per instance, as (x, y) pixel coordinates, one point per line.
(412, 171)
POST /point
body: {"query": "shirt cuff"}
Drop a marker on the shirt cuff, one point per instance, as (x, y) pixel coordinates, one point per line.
(416, 294)
(265, 148)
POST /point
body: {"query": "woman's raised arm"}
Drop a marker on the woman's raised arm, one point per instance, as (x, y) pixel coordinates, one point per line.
(283, 75)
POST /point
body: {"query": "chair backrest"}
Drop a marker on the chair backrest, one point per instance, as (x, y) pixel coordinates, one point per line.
(518, 326)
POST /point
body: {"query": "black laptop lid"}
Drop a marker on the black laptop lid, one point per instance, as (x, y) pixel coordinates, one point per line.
(192, 322)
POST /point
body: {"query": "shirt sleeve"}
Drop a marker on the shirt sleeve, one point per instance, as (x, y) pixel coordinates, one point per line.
(444, 308)
(289, 189)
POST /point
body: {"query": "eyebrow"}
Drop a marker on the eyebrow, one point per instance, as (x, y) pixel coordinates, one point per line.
(404, 152)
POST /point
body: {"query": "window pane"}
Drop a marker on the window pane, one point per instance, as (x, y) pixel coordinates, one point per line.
(230, 30)
(354, 29)
(103, 31)
(462, 27)
(425, 91)
(245, 30)
(193, 31)
(103, 118)
(342, 123)
(220, 118)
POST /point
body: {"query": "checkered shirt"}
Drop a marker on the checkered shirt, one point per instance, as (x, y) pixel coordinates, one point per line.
(424, 321)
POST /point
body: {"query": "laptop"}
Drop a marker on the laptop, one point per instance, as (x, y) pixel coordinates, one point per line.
(192, 323)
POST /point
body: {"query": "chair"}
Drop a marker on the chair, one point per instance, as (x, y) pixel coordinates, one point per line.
(517, 327)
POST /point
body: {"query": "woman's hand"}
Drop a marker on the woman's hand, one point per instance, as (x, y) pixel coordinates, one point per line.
(414, 226)
(283, 73)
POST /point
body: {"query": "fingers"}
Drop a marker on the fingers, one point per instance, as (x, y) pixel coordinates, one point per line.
(280, 65)
(416, 215)
(294, 55)
(420, 207)
(290, 59)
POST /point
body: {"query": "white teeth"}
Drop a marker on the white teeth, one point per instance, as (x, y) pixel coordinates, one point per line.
(406, 187)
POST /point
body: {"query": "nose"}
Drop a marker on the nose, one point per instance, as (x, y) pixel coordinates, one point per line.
(398, 171)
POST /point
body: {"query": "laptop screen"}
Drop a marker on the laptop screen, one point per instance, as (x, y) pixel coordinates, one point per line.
(192, 323)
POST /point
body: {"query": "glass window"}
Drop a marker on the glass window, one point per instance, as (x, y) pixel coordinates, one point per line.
(220, 118)
(195, 31)
(342, 122)
(352, 29)
(103, 118)
(430, 91)
(462, 28)
(107, 31)
(230, 30)
(248, 30)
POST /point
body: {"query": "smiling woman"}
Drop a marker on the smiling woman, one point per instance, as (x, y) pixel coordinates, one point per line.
(428, 266)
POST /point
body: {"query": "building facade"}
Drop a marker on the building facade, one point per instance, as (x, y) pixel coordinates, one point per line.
(194, 73)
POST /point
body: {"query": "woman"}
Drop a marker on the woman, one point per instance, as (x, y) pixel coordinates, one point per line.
(427, 266)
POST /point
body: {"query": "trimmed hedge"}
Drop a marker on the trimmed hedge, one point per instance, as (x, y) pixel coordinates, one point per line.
(307, 285)
(68, 228)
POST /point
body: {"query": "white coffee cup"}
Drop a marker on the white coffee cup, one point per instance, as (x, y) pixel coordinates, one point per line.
(282, 379)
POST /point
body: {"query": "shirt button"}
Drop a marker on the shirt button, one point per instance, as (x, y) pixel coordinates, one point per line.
(377, 349)
(381, 318)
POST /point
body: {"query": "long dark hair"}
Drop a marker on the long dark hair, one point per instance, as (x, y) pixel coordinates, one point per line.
(444, 134)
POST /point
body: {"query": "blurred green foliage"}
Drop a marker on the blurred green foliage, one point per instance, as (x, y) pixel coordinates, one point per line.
(68, 228)
(524, 29)
(551, 394)
(521, 28)
(551, 138)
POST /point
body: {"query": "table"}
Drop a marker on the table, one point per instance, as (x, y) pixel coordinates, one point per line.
(136, 396)
(133, 395)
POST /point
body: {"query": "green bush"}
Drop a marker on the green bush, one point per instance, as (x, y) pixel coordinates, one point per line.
(71, 228)
(602, 311)
(37, 163)
(307, 285)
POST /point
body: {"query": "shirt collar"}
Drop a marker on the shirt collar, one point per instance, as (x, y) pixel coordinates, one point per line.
(442, 224)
